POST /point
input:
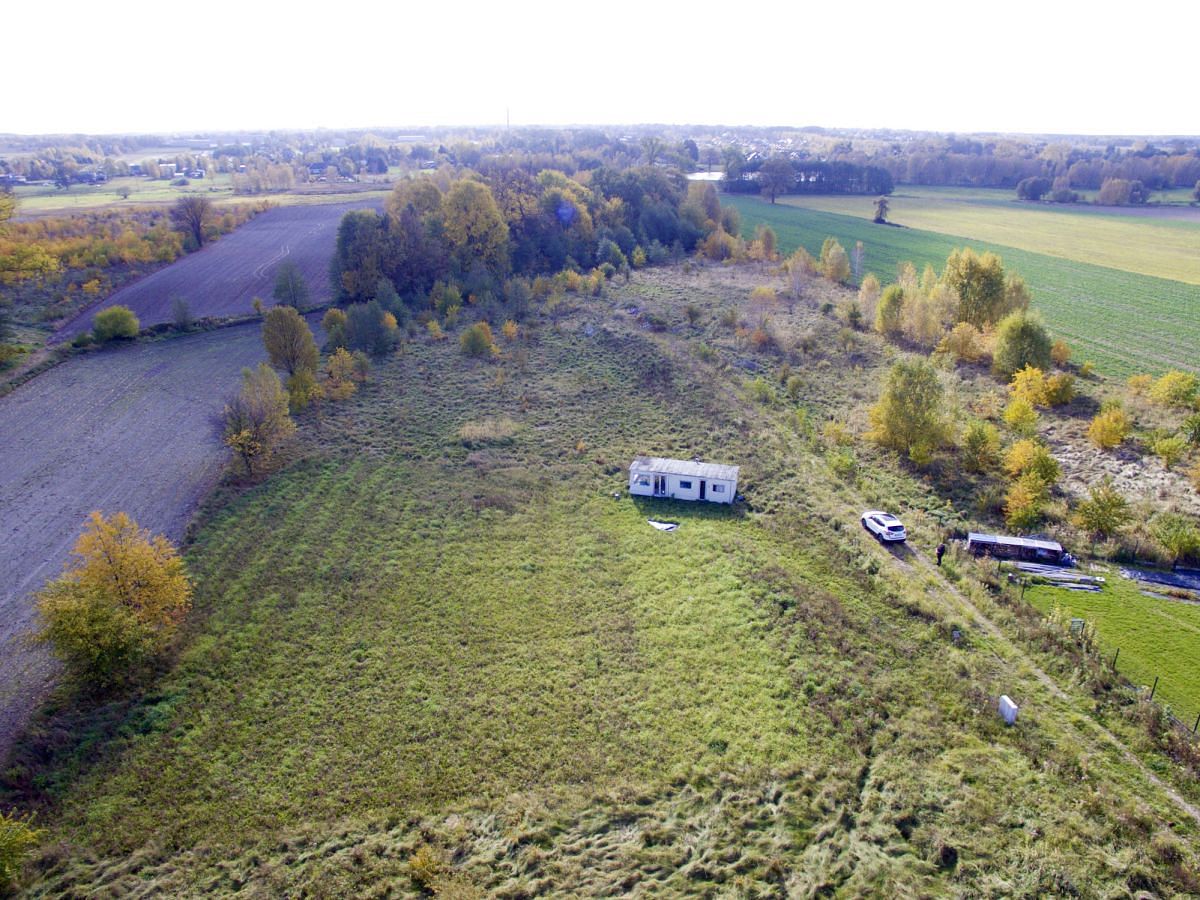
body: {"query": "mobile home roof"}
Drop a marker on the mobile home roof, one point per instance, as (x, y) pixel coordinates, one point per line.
(976, 538)
(657, 465)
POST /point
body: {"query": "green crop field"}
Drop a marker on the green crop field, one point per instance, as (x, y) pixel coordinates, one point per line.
(1156, 636)
(435, 652)
(37, 200)
(1122, 321)
(1142, 240)
(40, 199)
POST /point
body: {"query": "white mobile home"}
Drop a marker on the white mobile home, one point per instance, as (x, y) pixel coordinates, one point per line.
(682, 479)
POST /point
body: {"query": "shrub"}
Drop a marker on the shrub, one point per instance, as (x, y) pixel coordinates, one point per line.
(868, 296)
(1109, 428)
(760, 391)
(1105, 512)
(334, 323)
(1170, 449)
(1021, 340)
(835, 264)
(1023, 502)
(764, 295)
(289, 341)
(1190, 429)
(255, 420)
(426, 866)
(843, 464)
(290, 287)
(9, 353)
(477, 340)
(964, 341)
(1029, 457)
(1139, 385)
(1029, 384)
(854, 314)
(1175, 389)
(118, 605)
(981, 446)
(340, 375)
(836, 433)
(17, 837)
(371, 328)
(1177, 534)
(909, 412)
(1020, 416)
(889, 310)
(761, 338)
(720, 246)
(1060, 353)
(303, 389)
(1060, 389)
(115, 323)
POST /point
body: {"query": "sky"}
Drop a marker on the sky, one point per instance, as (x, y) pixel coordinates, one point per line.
(1020, 66)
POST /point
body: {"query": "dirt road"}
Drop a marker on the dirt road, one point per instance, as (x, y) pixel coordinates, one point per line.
(125, 429)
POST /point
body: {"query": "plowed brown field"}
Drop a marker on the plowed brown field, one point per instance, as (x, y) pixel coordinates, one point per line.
(224, 278)
(125, 429)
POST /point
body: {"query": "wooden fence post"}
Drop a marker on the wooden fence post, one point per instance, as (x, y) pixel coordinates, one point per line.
(1155, 688)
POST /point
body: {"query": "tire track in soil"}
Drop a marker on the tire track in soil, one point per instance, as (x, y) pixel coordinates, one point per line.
(125, 429)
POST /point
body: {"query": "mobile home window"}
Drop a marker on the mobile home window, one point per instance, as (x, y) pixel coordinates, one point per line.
(685, 485)
(643, 481)
(718, 488)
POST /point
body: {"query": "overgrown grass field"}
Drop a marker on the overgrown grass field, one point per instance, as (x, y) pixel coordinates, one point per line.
(1122, 321)
(1157, 636)
(435, 653)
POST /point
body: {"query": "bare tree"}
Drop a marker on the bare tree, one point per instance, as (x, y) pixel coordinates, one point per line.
(190, 214)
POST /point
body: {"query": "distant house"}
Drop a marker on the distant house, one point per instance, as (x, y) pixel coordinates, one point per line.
(1024, 549)
(682, 479)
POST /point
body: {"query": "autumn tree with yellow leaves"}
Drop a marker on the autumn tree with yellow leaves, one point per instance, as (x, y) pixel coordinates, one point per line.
(118, 605)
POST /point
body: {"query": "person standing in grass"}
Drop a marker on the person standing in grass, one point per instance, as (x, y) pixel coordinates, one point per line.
(941, 551)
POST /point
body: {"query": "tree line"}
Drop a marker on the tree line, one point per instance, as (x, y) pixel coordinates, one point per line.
(478, 238)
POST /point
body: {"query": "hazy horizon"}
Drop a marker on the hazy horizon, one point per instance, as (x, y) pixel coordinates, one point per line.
(932, 67)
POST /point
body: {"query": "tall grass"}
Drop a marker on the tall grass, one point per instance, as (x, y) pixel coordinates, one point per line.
(473, 670)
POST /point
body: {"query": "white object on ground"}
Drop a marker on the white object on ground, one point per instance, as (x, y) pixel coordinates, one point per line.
(1008, 710)
(664, 526)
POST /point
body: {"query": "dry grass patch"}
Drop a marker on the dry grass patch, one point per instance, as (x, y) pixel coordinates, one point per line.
(499, 430)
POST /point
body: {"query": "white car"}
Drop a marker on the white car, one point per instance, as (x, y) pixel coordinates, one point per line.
(884, 526)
